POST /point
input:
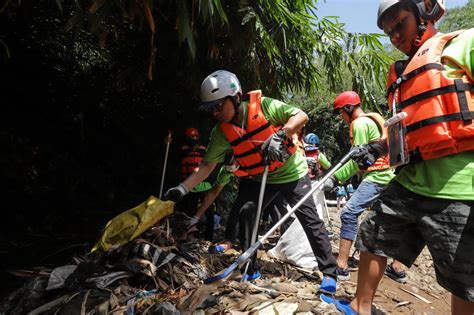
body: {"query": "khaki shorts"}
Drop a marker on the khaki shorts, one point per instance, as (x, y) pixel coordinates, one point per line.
(403, 222)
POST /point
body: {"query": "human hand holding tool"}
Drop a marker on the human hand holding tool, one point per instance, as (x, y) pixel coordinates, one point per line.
(329, 184)
(367, 154)
(276, 147)
(191, 224)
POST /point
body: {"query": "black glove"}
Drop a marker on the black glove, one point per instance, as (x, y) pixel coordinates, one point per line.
(275, 149)
(176, 193)
(329, 184)
(362, 156)
(368, 153)
(378, 148)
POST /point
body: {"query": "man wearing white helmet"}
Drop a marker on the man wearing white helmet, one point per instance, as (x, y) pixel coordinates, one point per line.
(258, 128)
(431, 201)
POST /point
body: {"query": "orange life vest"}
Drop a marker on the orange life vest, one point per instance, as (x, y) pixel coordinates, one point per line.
(192, 156)
(382, 162)
(440, 109)
(246, 142)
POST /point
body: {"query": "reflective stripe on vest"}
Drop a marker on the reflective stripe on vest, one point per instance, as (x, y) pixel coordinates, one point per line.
(440, 109)
(246, 143)
(192, 158)
(382, 162)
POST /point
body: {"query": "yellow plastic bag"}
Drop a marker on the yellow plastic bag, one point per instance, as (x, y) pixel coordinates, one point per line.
(132, 223)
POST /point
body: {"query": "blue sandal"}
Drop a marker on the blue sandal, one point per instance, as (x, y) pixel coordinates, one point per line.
(328, 285)
(256, 275)
(341, 305)
(220, 247)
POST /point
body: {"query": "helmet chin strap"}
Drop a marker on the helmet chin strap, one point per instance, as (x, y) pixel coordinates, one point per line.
(421, 30)
(236, 100)
(349, 111)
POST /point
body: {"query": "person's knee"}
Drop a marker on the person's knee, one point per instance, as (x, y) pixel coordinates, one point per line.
(348, 217)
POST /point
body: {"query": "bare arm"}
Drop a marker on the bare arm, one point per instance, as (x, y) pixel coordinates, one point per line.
(295, 123)
(201, 172)
(208, 199)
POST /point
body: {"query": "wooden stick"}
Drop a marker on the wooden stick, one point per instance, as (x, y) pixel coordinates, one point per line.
(416, 295)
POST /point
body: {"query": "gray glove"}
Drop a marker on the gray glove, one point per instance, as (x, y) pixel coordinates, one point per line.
(275, 147)
(330, 183)
(312, 163)
(191, 224)
(176, 193)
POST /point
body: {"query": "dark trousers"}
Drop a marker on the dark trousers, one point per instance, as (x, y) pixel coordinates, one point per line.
(313, 226)
(274, 204)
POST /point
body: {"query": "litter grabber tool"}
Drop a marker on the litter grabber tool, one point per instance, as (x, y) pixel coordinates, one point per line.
(167, 141)
(260, 204)
(331, 229)
(259, 210)
(249, 252)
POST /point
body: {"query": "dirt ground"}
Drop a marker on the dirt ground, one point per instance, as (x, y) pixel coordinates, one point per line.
(420, 295)
(392, 295)
(283, 288)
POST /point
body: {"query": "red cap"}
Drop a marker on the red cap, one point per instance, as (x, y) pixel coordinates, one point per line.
(346, 98)
(191, 132)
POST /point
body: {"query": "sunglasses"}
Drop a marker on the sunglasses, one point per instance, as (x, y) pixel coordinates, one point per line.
(398, 28)
(217, 107)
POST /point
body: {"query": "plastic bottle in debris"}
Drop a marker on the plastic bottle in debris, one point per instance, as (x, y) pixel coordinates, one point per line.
(350, 190)
(340, 191)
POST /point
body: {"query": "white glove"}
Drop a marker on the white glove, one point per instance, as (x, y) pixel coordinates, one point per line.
(192, 223)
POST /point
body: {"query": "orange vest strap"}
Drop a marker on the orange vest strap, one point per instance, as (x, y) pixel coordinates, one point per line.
(440, 119)
(250, 134)
(249, 167)
(459, 87)
(430, 66)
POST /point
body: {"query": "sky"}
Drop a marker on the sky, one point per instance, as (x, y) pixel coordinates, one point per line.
(360, 16)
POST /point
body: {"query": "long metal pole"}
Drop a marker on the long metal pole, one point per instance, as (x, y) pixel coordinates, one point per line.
(251, 250)
(168, 141)
(260, 204)
(259, 212)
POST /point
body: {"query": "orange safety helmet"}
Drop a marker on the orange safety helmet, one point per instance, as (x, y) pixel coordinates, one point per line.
(346, 98)
(191, 132)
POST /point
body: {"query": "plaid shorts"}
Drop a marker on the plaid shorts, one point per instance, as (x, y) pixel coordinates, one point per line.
(403, 222)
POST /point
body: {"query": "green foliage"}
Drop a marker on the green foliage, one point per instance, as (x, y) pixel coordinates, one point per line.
(270, 44)
(104, 80)
(458, 18)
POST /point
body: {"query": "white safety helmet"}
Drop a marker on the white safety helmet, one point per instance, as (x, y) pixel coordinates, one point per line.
(434, 15)
(217, 86)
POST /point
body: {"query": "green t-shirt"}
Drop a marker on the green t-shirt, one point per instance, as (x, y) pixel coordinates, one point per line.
(203, 186)
(452, 176)
(323, 161)
(277, 113)
(364, 130)
(223, 177)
